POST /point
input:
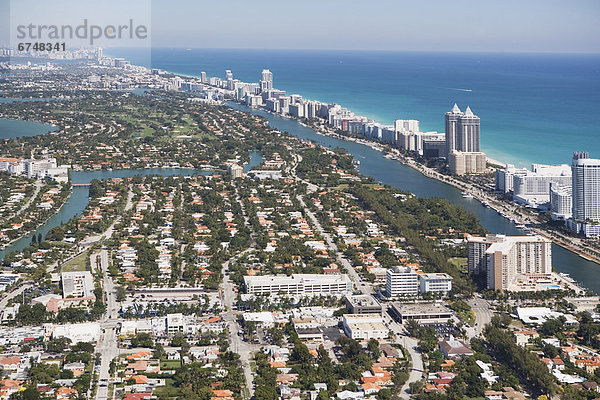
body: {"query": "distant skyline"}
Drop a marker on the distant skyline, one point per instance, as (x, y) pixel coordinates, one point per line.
(556, 26)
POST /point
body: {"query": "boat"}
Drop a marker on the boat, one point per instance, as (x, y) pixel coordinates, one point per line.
(520, 226)
(467, 195)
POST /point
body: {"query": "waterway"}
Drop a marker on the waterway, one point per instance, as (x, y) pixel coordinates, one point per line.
(79, 197)
(13, 128)
(372, 163)
(392, 172)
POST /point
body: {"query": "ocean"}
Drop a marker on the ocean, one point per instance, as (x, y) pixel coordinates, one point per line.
(533, 107)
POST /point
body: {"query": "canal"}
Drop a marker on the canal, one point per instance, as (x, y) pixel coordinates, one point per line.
(79, 197)
(394, 173)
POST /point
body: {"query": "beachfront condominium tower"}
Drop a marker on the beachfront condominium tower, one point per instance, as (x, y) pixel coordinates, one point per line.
(266, 82)
(467, 136)
(451, 128)
(586, 194)
(462, 131)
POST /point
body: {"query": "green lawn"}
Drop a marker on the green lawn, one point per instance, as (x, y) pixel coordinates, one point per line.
(76, 264)
(459, 262)
(170, 364)
(166, 392)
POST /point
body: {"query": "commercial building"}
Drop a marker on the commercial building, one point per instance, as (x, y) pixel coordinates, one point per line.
(453, 348)
(87, 332)
(35, 167)
(308, 329)
(298, 284)
(262, 318)
(586, 194)
(77, 284)
(424, 313)
(175, 323)
(362, 304)
(401, 281)
(561, 201)
(433, 147)
(505, 177)
(462, 130)
(7, 280)
(461, 163)
(364, 326)
(533, 188)
(420, 142)
(235, 171)
(538, 315)
(435, 282)
(502, 259)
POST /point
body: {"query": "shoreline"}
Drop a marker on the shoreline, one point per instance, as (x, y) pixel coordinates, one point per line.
(501, 208)
(476, 193)
(38, 227)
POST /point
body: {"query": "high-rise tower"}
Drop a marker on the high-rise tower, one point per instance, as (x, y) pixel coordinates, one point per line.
(467, 136)
(451, 128)
(266, 82)
(462, 131)
(586, 194)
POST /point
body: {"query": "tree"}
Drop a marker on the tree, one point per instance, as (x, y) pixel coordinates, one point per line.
(412, 327)
(552, 326)
(96, 189)
(57, 345)
(30, 393)
(121, 293)
(266, 393)
(384, 394)
(142, 340)
(373, 347)
(56, 234)
(83, 347)
(526, 365)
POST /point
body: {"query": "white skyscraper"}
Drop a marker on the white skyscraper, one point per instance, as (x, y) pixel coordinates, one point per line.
(462, 131)
(451, 122)
(467, 135)
(406, 125)
(266, 82)
(228, 75)
(586, 194)
(561, 201)
(402, 281)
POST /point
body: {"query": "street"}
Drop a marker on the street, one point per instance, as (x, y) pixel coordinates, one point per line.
(108, 344)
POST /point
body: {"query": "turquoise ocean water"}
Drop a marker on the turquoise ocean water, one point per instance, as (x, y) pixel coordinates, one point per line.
(533, 107)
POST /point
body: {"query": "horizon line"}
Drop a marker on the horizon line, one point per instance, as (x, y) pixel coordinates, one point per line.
(370, 50)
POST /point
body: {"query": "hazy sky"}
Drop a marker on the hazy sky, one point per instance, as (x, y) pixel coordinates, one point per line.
(456, 25)
(428, 25)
